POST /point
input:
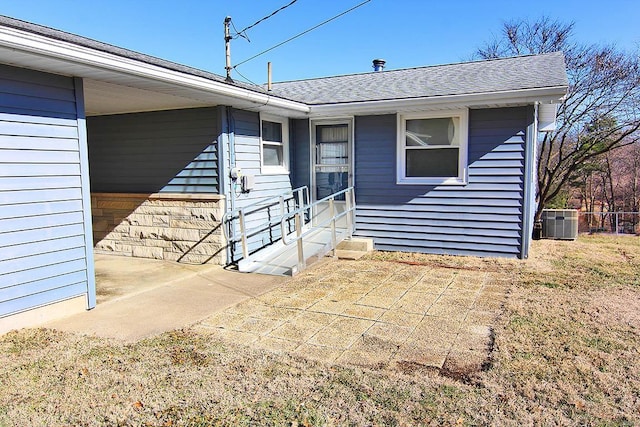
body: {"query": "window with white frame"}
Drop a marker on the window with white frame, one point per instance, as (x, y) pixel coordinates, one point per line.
(432, 148)
(274, 144)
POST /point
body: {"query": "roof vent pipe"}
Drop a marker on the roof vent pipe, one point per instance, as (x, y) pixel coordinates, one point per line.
(378, 64)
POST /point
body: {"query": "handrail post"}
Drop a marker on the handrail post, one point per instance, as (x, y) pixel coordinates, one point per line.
(349, 214)
(245, 249)
(281, 205)
(299, 198)
(333, 226)
(309, 210)
(301, 262)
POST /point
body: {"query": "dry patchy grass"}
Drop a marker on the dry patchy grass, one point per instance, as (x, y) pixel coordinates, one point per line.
(565, 353)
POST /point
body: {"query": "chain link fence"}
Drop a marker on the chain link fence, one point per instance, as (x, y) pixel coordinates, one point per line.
(609, 222)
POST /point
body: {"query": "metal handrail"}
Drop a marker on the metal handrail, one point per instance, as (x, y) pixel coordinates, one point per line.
(260, 204)
(241, 214)
(329, 198)
(297, 214)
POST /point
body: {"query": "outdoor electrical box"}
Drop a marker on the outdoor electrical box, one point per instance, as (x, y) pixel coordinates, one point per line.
(560, 224)
(247, 182)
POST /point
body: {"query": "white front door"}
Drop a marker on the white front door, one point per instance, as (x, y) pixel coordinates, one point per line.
(331, 148)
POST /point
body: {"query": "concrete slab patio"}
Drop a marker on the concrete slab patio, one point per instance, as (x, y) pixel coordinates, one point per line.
(138, 298)
(366, 312)
(371, 313)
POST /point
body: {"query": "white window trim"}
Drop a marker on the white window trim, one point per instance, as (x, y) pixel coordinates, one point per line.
(401, 153)
(284, 168)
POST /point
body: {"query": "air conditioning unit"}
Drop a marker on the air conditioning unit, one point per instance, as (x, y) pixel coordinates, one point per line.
(560, 224)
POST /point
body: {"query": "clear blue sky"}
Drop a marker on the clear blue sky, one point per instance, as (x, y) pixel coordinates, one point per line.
(407, 33)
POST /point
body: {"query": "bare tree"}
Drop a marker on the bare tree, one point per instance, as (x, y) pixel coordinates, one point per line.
(600, 111)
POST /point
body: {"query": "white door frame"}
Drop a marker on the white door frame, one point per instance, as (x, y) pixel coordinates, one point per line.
(349, 121)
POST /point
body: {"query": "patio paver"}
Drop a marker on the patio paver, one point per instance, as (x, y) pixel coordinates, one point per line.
(347, 312)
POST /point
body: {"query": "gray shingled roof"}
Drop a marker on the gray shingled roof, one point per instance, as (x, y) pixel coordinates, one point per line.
(489, 76)
(498, 75)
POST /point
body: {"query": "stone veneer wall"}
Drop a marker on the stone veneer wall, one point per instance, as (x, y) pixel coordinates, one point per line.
(177, 227)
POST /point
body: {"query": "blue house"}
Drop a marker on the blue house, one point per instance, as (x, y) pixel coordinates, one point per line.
(104, 149)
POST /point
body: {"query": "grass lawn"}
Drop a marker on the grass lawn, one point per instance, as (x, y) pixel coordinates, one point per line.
(565, 351)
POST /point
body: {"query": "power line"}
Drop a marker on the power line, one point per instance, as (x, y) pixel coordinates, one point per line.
(301, 34)
(251, 81)
(238, 33)
(243, 32)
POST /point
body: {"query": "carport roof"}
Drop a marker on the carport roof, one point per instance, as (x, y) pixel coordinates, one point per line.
(118, 80)
(108, 48)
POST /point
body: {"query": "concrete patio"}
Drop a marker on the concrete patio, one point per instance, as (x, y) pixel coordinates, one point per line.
(365, 312)
(370, 313)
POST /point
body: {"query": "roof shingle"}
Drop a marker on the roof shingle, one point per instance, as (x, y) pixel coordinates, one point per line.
(488, 76)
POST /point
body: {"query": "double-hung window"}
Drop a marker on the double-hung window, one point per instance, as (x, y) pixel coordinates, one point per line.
(432, 148)
(274, 144)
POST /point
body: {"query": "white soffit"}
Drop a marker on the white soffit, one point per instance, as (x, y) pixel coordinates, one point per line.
(103, 98)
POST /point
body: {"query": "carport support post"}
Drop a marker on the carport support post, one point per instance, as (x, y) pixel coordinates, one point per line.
(83, 147)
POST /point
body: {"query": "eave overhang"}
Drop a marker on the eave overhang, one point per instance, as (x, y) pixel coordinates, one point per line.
(512, 98)
(159, 84)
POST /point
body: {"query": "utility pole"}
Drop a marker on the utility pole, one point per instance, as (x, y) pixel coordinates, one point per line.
(227, 47)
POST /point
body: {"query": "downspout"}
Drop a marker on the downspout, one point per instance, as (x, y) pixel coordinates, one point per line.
(528, 209)
(232, 156)
(226, 183)
(232, 164)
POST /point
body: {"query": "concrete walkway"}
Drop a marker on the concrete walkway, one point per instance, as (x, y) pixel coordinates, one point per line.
(138, 298)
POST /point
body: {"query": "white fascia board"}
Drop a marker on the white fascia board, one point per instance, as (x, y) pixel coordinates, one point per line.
(523, 96)
(43, 46)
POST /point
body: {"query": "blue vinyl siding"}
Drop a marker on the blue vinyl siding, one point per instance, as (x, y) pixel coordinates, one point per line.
(245, 126)
(43, 246)
(481, 218)
(300, 153)
(173, 151)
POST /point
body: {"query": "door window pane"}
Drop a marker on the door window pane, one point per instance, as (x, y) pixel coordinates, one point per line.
(332, 144)
(329, 182)
(332, 153)
(332, 133)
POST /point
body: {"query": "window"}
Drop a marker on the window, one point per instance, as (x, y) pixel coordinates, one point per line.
(274, 145)
(432, 148)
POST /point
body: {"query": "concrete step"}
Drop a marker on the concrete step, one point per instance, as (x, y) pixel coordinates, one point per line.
(356, 244)
(350, 255)
(354, 248)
